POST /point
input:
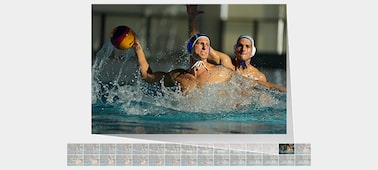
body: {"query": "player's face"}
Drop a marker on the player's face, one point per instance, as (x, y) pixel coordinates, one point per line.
(243, 49)
(201, 48)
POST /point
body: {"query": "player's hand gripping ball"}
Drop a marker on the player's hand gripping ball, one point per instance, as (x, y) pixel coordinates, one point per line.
(122, 37)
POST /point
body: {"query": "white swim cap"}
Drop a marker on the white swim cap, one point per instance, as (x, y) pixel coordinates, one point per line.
(250, 39)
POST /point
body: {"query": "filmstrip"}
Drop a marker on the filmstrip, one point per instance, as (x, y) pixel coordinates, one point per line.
(169, 154)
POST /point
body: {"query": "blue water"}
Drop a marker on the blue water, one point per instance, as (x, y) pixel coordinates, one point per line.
(122, 103)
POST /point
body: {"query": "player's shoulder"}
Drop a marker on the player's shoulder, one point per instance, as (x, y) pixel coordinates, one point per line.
(223, 69)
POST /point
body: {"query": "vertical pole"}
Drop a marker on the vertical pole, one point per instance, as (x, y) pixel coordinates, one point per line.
(148, 31)
(102, 29)
(280, 28)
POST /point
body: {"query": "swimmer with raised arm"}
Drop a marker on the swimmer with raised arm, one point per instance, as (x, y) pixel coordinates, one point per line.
(199, 74)
(244, 50)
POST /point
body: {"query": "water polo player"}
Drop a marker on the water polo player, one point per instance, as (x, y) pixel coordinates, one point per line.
(200, 73)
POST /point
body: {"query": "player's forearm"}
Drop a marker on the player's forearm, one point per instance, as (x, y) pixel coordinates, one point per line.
(193, 26)
(142, 61)
(271, 85)
(221, 58)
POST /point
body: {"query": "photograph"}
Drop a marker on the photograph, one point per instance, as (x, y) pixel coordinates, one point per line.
(115, 84)
(189, 69)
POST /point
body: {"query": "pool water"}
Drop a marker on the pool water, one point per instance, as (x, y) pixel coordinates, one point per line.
(122, 103)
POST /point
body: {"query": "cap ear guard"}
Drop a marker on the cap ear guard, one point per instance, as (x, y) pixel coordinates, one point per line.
(254, 51)
(189, 46)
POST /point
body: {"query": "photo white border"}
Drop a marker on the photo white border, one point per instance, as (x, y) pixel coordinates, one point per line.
(332, 70)
(227, 138)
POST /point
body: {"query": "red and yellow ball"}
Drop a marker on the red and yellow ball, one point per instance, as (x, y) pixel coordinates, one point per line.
(122, 37)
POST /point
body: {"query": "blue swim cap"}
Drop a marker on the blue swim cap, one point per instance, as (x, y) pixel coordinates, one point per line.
(193, 40)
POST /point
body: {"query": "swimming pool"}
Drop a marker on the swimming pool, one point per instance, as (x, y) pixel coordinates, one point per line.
(122, 103)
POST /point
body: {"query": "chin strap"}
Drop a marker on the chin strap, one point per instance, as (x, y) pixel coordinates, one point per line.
(243, 64)
(198, 64)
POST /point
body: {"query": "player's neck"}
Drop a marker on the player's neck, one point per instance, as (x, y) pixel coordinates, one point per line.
(242, 64)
